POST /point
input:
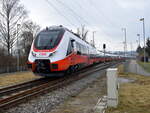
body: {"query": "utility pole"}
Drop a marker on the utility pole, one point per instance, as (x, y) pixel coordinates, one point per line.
(142, 19)
(125, 41)
(17, 48)
(137, 43)
(93, 38)
(139, 39)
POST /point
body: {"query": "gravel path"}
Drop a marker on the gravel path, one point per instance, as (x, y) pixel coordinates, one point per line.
(47, 102)
(86, 100)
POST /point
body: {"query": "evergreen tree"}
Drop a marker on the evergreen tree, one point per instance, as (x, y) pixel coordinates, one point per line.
(139, 50)
(148, 46)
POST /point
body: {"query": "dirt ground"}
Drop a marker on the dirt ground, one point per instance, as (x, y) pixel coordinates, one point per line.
(86, 100)
(15, 78)
(134, 97)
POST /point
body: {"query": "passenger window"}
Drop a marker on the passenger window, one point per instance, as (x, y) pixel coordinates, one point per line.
(69, 50)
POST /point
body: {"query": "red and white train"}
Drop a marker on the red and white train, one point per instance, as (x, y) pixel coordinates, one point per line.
(57, 50)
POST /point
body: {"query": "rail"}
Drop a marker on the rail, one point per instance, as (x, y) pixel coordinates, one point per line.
(49, 86)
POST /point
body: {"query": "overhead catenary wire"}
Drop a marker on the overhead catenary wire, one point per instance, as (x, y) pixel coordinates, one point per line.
(81, 18)
(76, 15)
(99, 12)
(86, 12)
(93, 18)
(61, 14)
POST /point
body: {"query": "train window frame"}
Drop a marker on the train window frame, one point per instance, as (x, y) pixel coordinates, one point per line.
(56, 40)
(78, 48)
(72, 41)
(82, 49)
(70, 47)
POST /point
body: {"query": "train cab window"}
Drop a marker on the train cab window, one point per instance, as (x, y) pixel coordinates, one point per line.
(48, 39)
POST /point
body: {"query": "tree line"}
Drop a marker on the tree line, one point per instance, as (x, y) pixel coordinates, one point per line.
(17, 32)
(140, 50)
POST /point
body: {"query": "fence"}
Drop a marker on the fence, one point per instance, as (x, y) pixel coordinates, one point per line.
(10, 69)
(9, 64)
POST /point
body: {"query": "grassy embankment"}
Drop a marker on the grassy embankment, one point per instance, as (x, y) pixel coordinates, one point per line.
(134, 97)
(15, 78)
(146, 66)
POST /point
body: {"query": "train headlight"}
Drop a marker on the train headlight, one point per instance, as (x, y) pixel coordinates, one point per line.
(33, 54)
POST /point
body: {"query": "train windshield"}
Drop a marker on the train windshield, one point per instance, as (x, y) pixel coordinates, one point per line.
(48, 39)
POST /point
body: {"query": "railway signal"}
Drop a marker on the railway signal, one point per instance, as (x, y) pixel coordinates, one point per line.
(104, 46)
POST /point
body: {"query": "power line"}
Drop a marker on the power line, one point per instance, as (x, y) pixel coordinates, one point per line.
(92, 17)
(105, 19)
(61, 14)
(103, 15)
(71, 10)
(81, 7)
(86, 12)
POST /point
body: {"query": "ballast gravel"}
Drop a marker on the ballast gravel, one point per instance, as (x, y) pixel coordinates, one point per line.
(47, 102)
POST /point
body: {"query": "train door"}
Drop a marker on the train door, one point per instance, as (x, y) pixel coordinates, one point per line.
(71, 51)
(89, 55)
(73, 46)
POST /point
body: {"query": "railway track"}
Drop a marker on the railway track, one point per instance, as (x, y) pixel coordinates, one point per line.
(42, 86)
(23, 86)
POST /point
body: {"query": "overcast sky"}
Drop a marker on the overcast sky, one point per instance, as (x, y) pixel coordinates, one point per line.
(106, 17)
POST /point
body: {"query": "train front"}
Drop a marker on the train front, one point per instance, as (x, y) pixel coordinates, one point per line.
(44, 51)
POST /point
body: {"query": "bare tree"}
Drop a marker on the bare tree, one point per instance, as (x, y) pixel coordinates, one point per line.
(29, 32)
(32, 27)
(82, 32)
(11, 13)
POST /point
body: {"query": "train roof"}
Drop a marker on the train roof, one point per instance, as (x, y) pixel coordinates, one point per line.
(60, 27)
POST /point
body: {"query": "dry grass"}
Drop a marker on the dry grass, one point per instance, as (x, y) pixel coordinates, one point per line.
(133, 97)
(15, 78)
(120, 69)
